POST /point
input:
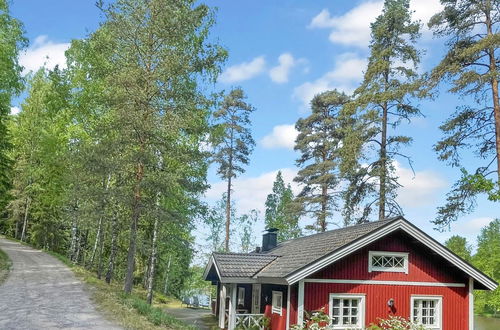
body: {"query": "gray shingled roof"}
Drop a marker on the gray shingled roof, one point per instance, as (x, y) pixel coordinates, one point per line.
(292, 255)
(300, 252)
(241, 264)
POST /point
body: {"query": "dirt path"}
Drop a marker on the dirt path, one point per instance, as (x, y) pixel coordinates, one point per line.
(42, 293)
(193, 316)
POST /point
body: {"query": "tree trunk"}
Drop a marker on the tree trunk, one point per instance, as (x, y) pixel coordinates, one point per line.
(165, 287)
(228, 214)
(494, 90)
(99, 256)
(324, 206)
(96, 243)
(136, 213)
(74, 235)
(25, 222)
(383, 165)
(112, 254)
(152, 264)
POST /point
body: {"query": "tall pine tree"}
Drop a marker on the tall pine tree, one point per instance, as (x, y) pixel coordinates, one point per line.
(233, 143)
(319, 141)
(382, 101)
(471, 67)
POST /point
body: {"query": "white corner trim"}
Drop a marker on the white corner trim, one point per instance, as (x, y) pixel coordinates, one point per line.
(439, 308)
(383, 231)
(288, 293)
(361, 306)
(372, 268)
(300, 304)
(375, 282)
(471, 303)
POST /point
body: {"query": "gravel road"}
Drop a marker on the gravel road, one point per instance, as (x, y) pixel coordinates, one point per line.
(42, 293)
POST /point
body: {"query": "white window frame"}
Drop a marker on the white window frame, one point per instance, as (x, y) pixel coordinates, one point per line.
(361, 309)
(372, 268)
(241, 296)
(277, 296)
(439, 310)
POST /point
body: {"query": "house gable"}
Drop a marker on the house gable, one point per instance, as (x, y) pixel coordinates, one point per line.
(423, 264)
(481, 281)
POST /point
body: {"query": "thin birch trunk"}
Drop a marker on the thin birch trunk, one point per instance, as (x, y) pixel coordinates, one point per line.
(96, 243)
(25, 222)
(165, 287)
(152, 265)
(112, 255)
(136, 213)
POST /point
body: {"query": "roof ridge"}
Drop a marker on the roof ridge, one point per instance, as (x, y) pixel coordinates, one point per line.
(338, 229)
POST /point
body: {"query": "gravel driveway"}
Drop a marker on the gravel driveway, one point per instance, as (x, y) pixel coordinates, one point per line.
(42, 293)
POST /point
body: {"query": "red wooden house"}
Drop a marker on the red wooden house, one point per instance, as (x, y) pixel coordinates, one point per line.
(355, 274)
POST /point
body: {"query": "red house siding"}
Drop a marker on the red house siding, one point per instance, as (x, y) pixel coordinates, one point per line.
(455, 304)
(423, 266)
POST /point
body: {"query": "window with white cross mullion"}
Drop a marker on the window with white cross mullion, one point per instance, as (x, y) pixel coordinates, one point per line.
(383, 261)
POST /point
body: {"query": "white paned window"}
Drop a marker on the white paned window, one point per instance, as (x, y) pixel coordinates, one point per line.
(347, 311)
(383, 261)
(427, 311)
(241, 296)
(277, 302)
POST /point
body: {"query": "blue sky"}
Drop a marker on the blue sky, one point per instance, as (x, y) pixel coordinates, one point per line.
(282, 53)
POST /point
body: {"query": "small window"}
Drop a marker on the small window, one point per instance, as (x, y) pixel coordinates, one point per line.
(381, 261)
(241, 296)
(427, 311)
(347, 311)
(277, 302)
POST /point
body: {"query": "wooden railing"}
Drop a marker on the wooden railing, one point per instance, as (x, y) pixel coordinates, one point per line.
(250, 321)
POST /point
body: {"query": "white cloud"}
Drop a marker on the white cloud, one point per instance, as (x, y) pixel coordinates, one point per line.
(14, 110)
(472, 226)
(353, 27)
(420, 188)
(43, 52)
(282, 136)
(244, 71)
(346, 74)
(251, 192)
(279, 73)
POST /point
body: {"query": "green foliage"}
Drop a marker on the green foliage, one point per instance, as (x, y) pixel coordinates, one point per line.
(395, 323)
(487, 259)
(383, 101)
(233, 139)
(279, 211)
(459, 246)
(318, 142)
(471, 68)
(12, 42)
(246, 224)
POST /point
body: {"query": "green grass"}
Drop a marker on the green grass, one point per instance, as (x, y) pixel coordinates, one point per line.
(4, 266)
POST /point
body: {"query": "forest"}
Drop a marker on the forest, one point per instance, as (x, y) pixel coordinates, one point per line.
(107, 161)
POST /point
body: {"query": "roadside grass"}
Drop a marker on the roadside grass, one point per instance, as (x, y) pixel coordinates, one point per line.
(4, 266)
(129, 311)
